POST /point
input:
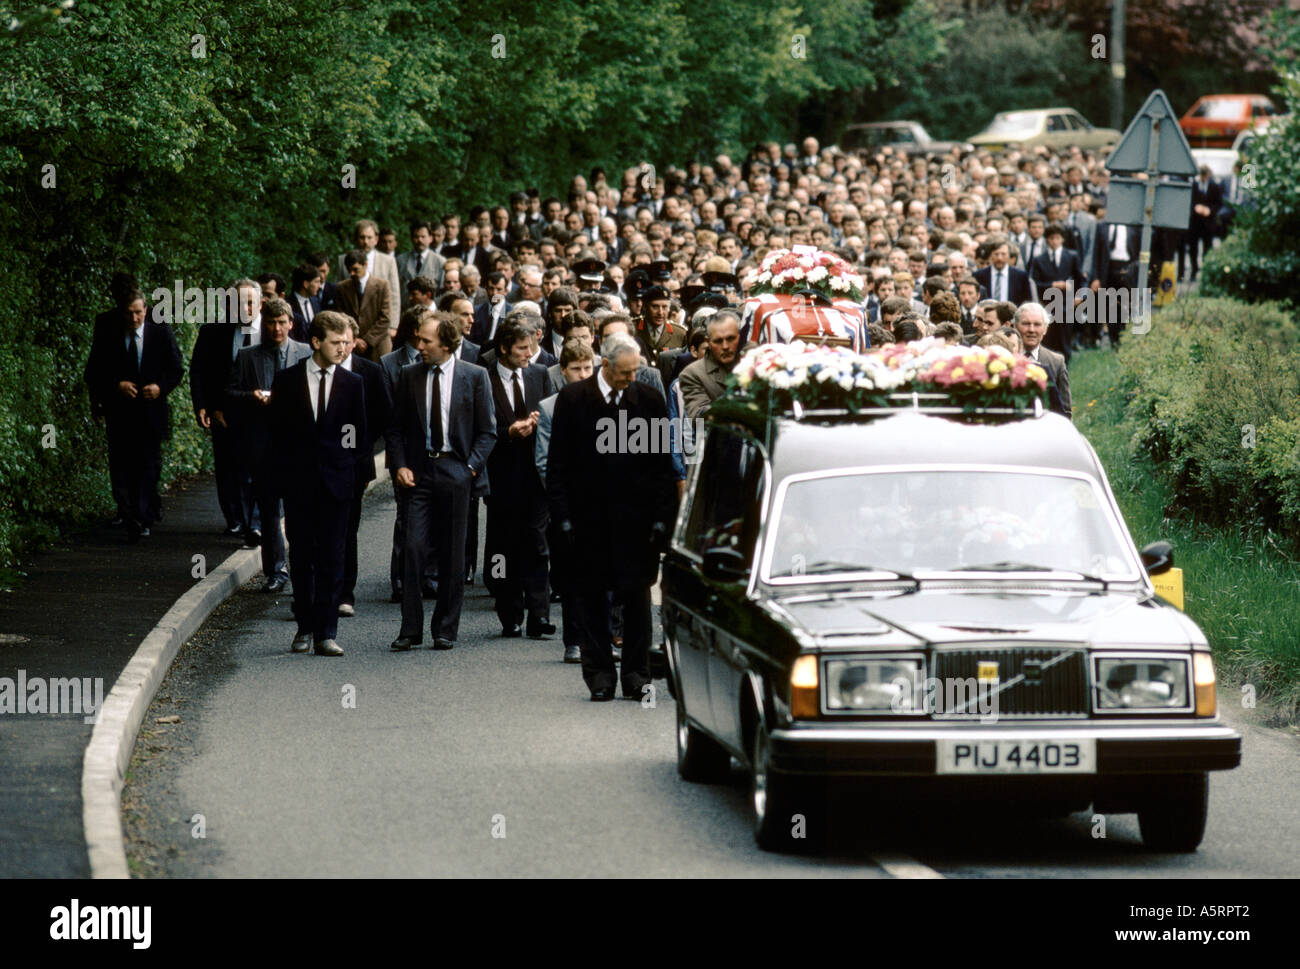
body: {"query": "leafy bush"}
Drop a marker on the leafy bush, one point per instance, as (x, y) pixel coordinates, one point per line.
(1215, 397)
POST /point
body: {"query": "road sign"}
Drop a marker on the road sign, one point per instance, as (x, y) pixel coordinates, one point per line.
(1154, 145)
(1126, 202)
(1136, 148)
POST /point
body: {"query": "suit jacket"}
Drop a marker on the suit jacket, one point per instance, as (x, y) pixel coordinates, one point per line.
(407, 269)
(1039, 247)
(160, 363)
(378, 409)
(1058, 376)
(542, 436)
(385, 268)
(555, 378)
(673, 362)
(1044, 272)
(250, 421)
(513, 459)
(1212, 196)
(211, 364)
(1085, 225)
(611, 496)
(299, 331)
(481, 258)
(1019, 288)
(307, 453)
(472, 432)
(481, 331)
(392, 363)
(703, 382)
(488, 357)
(329, 296)
(371, 315)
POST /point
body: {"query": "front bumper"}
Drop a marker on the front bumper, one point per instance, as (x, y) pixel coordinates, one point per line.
(890, 750)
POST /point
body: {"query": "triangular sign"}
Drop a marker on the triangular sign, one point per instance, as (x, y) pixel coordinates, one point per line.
(1132, 154)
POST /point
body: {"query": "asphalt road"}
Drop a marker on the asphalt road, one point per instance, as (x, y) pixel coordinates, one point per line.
(490, 760)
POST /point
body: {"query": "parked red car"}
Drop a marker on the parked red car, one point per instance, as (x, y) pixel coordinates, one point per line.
(1216, 119)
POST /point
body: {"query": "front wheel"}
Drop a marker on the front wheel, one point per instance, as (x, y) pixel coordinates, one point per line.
(1174, 821)
(785, 818)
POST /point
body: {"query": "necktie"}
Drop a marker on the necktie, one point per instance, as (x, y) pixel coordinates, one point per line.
(521, 411)
(248, 337)
(284, 357)
(307, 310)
(320, 396)
(133, 361)
(1001, 287)
(613, 394)
(435, 412)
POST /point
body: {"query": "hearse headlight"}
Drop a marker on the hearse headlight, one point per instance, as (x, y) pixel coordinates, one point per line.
(1131, 683)
(873, 684)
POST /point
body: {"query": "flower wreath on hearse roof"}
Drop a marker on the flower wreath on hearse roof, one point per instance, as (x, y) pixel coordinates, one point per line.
(777, 375)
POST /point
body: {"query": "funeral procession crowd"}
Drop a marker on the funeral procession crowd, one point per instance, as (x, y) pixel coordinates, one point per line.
(484, 356)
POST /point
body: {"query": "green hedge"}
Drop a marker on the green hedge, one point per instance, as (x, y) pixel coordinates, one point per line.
(1215, 403)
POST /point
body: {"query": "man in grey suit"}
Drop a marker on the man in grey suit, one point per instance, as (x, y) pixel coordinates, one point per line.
(420, 261)
(439, 439)
(1031, 322)
(379, 265)
(248, 396)
(703, 381)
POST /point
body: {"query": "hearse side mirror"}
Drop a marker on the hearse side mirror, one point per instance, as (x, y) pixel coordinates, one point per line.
(725, 563)
(1158, 557)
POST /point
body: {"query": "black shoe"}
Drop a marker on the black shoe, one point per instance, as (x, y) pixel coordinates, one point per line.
(301, 643)
(144, 531)
(602, 694)
(441, 643)
(396, 596)
(540, 628)
(429, 590)
(275, 583)
(252, 539)
(327, 647)
(511, 632)
(637, 692)
(572, 654)
(231, 531)
(402, 643)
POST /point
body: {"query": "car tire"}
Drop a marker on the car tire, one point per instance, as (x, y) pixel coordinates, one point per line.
(700, 759)
(1175, 821)
(785, 818)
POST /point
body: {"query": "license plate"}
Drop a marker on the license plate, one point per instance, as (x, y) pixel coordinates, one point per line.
(1016, 756)
(1209, 133)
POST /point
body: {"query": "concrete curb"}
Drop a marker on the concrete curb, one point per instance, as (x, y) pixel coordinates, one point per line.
(108, 755)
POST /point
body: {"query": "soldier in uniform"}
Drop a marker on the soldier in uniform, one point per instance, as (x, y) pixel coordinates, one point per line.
(655, 330)
(591, 275)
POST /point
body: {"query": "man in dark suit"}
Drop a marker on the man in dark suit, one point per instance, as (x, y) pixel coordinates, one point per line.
(476, 253)
(1031, 321)
(420, 261)
(378, 407)
(612, 506)
(365, 298)
(1207, 198)
(329, 292)
(1116, 270)
(1058, 269)
(248, 398)
(516, 556)
(318, 428)
(1001, 280)
(489, 315)
(304, 301)
(131, 370)
(439, 439)
(211, 365)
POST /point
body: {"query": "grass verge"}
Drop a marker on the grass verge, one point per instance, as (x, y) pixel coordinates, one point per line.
(1241, 585)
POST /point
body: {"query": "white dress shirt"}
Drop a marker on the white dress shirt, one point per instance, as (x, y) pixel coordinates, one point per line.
(508, 380)
(605, 388)
(314, 372)
(448, 368)
(304, 304)
(254, 334)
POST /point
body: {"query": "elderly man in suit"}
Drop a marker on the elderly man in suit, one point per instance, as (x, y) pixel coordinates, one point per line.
(516, 556)
(421, 260)
(379, 265)
(131, 369)
(247, 411)
(576, 363)
(1031, 321)
(703, 381)
(442, 432)
(365, 299)
(211, 364)
(318, 427)
(613, 507)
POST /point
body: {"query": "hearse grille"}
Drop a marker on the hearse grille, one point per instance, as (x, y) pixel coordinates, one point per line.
(1028, 681)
